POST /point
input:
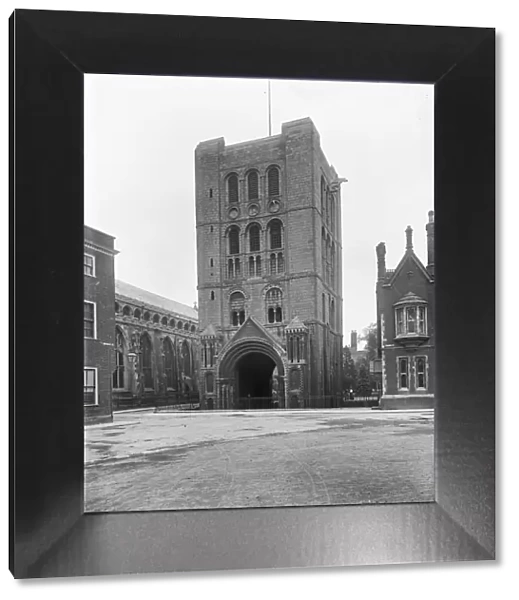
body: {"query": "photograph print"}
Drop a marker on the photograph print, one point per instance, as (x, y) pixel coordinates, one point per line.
(258, 293)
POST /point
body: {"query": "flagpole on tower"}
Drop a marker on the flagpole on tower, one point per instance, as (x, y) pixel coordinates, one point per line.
(270, 115)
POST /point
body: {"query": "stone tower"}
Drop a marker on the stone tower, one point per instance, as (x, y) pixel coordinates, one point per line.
(269, 251)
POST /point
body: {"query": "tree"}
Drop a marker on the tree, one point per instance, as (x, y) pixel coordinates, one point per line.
(349, 378)
(369, 335)
(364, 385)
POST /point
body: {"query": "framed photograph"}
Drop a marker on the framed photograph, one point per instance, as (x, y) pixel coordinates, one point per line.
(232, 373)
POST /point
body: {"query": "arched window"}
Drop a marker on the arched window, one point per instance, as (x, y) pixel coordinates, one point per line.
(251, 266)
(146, 352)
(234, 240)
(332, 265)
(164, 321)
(146, 316)
(328, 266)
(118, 374)
(254, 238)
(237, 307)
(230, 268)
(156, 318)
(209, 383)
(323, 253)
(273, 264)
(281, 263)
(252, 185)
(137, 313)
(126, 311)
(180, 324)
(116, 307)
(168, 354)
(172, 323)
(275, 234)
(258, 265)
(232, 188)
(186, 359)
(273, 181)
(274, 305)
(186, 327)
(193, 329)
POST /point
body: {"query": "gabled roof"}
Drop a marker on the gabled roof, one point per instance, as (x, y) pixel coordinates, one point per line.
(296, 323)
(143, 296)
(409, 254)
(253, 329)
(209, 331)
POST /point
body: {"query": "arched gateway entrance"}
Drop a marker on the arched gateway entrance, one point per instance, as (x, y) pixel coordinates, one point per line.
(254, 378)
(250, 370)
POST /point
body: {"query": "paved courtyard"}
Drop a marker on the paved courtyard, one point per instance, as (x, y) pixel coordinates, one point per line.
(186, 460)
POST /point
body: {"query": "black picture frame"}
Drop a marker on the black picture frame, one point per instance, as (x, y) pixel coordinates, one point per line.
(49, 534)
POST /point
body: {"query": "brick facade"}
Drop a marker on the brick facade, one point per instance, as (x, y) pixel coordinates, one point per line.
(298, 276)
(99, 298)
(405, 322)
(140, 349)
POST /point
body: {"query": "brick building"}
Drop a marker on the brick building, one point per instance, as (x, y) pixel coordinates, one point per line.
(99, 324)
(405, 322)
(156, 347)
(269, 251)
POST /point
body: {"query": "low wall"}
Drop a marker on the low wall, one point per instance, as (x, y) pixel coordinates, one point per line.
(406, 402)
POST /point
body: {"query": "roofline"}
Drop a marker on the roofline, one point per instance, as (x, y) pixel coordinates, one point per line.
(398, 268)
(99, 231)
(158, 296)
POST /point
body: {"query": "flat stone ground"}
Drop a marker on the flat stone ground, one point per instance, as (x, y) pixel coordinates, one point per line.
(167, 461)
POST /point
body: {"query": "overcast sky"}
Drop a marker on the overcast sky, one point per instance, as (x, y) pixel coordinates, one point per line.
(140, 137)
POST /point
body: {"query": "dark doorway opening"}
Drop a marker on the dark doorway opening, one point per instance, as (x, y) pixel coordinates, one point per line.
(254, 376)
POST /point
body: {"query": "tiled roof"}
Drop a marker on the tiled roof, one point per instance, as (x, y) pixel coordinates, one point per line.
(145, 297)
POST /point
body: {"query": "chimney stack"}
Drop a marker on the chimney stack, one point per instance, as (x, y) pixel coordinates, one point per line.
(381, 261)
(353, 343)
(409, 238)
(430, 242)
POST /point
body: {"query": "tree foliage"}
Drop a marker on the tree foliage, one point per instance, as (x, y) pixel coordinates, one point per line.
(369, 335)
(364, 384)
(349, 371)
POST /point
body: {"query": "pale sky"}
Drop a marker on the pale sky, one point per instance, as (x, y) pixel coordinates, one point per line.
(140, 137)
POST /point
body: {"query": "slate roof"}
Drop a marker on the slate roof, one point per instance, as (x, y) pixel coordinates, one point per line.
(392, 274)
(144, 297)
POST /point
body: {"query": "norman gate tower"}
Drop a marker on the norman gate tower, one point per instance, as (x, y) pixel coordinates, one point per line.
(268, 216)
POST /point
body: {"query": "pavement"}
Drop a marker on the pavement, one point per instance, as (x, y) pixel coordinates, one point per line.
(187, 460)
